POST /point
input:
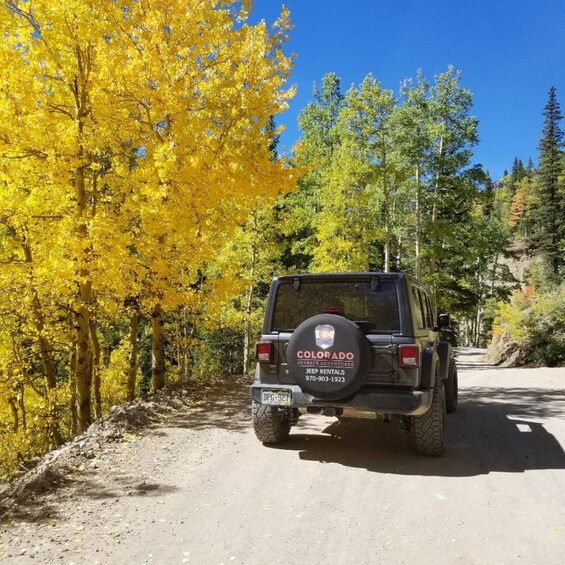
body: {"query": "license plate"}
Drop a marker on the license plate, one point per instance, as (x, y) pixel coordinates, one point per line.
(276, 397)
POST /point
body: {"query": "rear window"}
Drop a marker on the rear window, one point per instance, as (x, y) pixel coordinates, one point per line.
(355, 300)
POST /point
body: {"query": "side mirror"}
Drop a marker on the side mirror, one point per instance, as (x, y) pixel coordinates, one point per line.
(443, 320)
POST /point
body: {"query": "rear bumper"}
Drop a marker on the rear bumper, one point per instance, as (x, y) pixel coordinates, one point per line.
(379, 400)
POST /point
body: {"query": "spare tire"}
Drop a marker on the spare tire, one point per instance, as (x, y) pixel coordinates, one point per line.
(329, 356)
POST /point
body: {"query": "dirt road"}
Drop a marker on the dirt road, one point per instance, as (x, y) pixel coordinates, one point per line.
(201, 489)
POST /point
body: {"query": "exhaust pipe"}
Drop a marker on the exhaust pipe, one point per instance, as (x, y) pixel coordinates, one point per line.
(338, 412)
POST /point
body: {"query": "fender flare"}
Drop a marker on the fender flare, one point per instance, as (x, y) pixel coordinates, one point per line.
(430, 359)
(444, 353)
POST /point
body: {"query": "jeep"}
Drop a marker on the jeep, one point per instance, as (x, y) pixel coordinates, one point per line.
(353, 345)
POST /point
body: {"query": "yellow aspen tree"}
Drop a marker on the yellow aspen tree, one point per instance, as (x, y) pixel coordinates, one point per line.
(205, 85)
(37, 324)
(66, 103)
(28, 279)
(518, 207)
(144, 124)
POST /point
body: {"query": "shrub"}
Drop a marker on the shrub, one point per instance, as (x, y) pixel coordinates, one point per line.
(530, 329)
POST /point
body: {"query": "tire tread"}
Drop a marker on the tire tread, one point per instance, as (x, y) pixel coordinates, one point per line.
(429, 428)
(451, 389)
(269, 423)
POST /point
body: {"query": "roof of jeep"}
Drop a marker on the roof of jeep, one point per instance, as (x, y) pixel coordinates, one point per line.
(351, 275)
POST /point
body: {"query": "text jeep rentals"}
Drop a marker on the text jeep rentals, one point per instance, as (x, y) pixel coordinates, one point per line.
(353, 345)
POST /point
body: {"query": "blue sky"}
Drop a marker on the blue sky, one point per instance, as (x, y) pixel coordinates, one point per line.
(509, 51)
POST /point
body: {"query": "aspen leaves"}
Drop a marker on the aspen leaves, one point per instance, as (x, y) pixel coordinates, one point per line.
(132, 137)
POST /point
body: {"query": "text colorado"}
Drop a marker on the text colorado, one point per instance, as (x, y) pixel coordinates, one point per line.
(339, 355)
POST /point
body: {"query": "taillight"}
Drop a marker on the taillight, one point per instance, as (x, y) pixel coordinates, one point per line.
(263, 351)
(409, 356)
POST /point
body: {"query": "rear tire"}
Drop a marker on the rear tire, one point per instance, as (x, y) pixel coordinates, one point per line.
(270, 423)
(429, 428)
(451, 389)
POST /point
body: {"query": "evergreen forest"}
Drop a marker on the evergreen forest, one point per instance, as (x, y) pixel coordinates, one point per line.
(145, 208)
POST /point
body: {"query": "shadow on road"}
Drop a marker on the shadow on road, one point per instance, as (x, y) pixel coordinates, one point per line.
(224, 404)
(494, 430)
(227, 408)
(91, 484)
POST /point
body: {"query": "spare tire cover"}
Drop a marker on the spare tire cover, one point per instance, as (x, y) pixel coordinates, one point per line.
(329, 356)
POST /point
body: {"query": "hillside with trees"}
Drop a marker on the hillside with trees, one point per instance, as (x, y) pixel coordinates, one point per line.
(530, 328)
(145, 208)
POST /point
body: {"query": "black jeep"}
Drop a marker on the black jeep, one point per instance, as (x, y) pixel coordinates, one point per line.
(353, 345)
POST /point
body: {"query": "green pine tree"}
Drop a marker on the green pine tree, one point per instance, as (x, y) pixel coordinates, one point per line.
(517, 174)
(548, 214)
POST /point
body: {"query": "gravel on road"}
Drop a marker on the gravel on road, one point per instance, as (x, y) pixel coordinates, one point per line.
(197, 487)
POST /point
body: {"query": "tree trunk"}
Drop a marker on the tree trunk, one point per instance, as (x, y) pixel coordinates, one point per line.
(387, 216)
(247, 330)
(477, 334)
(83, 359)
(45, 349)
(83, 253)
(418, 259)
(247, 315)
(132, 358)
(84, 296)
(95, 369)
(187, 359)
(22, 405)
(15, 416)
(493, 276)
(73, 389)
(434, 239)
(157, 349)
(55, 436)
(478, 320)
